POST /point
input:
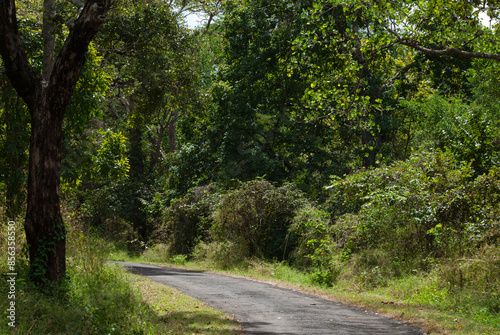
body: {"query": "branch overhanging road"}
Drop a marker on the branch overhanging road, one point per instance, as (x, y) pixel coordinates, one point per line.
(266, 309)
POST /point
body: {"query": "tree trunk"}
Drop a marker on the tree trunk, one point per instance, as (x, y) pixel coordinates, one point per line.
(49, 38)
(47, 99)
(45, 232)
(172, 131)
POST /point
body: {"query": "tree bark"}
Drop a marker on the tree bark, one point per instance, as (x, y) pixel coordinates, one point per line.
(44, 226)
(49, 37)
(172, 131)
(47, 99)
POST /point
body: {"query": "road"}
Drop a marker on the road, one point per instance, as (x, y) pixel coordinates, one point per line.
(266, 309)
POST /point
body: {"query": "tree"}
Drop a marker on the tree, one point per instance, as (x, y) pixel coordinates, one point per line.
(47, 98)
(150, 55)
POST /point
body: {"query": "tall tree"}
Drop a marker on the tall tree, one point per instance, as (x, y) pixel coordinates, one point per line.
(47, 100)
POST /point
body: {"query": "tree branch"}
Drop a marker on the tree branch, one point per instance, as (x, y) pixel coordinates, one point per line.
(442, 52)
(49, 37)
(23, 77)
(450, 51)
(70, 60)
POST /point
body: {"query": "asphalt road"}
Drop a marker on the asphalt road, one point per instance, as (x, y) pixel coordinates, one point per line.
(266, 309)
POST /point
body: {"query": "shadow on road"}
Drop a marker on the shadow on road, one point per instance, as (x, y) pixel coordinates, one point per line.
(149, 271)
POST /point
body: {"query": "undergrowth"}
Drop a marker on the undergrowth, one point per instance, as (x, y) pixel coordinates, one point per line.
(423, 233)
(99, 297)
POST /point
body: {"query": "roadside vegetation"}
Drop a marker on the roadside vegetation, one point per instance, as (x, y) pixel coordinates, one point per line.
(99, 297)
(350, 147)
(417, 239)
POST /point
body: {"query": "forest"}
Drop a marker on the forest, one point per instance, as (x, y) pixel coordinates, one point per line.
(354, 142)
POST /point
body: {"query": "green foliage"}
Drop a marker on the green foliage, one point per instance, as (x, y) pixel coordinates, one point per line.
(256, 218)
(110, 161)
(469, 132)
(187, 221)
(315, 246)
(222, 254)
(87, 102)
(253, 125)
(415, 211)
(189, 167)
(114, 167)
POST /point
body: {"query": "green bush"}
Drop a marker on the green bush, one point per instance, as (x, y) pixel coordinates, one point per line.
(187, 221)
(256, 217)
(410, 213)
(312, 227)
(157, 253)
(224, 254)
(315, 248)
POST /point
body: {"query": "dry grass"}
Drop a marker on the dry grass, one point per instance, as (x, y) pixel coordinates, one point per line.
(178, 313)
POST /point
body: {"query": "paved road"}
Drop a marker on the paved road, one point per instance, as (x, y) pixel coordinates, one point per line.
(266, 309)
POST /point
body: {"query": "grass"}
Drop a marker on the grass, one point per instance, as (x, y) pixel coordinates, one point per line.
(181, 314)
(419, 299)
(101, 298)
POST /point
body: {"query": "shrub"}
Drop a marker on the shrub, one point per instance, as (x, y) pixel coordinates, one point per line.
(187, 221)
(256, 217)
(415, 211)
(157, 253)
(312, 227)
(224, 254)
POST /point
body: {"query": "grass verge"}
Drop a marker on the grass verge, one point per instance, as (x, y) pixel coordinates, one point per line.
(101, 298)
(416, 299)
(181, 314)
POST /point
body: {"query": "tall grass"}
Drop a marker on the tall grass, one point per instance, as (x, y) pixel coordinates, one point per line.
(94, 299)
(99, 297)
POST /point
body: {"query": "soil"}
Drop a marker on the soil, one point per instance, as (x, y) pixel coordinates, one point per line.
(262, 308)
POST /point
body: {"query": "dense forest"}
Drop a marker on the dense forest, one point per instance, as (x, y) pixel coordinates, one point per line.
(352, 140)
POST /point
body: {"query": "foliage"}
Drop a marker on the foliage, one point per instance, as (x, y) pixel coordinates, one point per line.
(223, 255)
(256, 217)
(113, 167)
(251, 125)
(186, 221)
(315, 248)
(415, 211)
(467, 130)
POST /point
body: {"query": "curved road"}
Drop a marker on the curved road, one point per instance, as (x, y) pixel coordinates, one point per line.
(266, 309)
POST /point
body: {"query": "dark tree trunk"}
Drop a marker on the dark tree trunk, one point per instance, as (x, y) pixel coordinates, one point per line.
(172, 131)
(47, 101)
(136, 153)
(44, 226)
